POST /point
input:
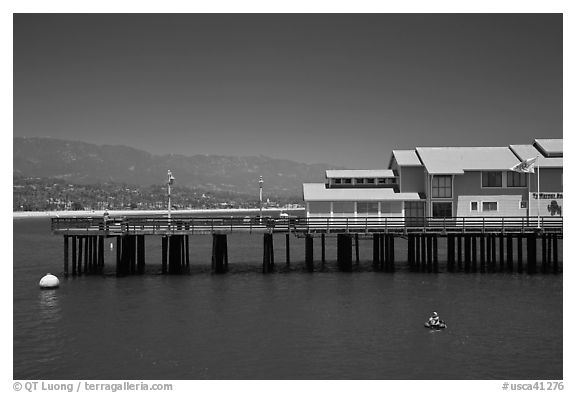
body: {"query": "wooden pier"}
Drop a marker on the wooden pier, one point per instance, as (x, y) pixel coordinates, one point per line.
(472, 244)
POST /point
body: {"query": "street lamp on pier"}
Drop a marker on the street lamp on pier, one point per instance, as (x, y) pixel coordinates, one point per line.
(261, 183)
(169, 183)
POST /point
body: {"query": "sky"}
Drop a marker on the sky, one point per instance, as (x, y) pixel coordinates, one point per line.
(342, 89)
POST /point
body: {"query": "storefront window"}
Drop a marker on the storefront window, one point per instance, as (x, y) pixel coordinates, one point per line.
(491, 179)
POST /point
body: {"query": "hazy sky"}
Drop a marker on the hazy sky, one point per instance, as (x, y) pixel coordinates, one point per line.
(343, 89)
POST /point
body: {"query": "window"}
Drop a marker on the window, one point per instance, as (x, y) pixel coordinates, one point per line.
(489, 206)
(337, 181)
(442, 187)
(370, 181)
(474, 206)
(347, 181)
(343, 207)
(442, 209)
(359, 181)
(367, 207)
(516, 179)
(381, 181)
(523, 204)
(492, 179)
(319, 208)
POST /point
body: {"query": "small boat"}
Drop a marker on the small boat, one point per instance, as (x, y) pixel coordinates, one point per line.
(441, 325)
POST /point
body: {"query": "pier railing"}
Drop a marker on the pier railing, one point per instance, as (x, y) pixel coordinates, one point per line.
(149, 225)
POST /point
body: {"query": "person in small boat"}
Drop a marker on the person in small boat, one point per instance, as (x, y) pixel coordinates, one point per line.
(434, 320)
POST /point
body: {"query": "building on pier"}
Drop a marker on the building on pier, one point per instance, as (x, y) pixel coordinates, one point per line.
(444, 182)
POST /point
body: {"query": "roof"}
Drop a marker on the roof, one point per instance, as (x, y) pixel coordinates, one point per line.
(406, 157)
(355, 173)
(524, 152)
(550, 147)
(456, 160)
(319, 192)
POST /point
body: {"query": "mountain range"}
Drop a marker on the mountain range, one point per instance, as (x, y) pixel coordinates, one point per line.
(86, 163)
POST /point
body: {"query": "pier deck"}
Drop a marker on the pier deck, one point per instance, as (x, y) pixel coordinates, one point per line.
(468, 241)
(301, 226)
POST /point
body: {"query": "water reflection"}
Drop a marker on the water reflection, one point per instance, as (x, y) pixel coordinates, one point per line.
(49, 306)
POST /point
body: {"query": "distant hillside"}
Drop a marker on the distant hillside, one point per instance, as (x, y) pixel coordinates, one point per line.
(86, 163)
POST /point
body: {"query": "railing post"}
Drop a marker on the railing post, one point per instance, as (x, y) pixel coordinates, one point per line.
(386, 224)
(483, 224)
(463, 224)
(366, 225)
(212, 225)
(346, 224)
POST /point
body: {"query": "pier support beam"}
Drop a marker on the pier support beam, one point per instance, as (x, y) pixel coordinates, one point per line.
(357, 248)
(544, 250)
(531, 253)
(555, 266)
(164, 254)
(66, 258)
(344, 250)
(416, 245)
(474, 255)
(510, 253)
(323, 247)
(309, 252)
(459, 252)
(287, 249)
(141, 254)
(219, 253)
(467, 253)
(376, 251)
(482, 253)
(493, 249)
(450, 252)
(501, 246)
(268, 259)
(520, 267)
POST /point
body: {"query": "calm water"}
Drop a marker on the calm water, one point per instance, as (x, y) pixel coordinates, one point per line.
(288, 325)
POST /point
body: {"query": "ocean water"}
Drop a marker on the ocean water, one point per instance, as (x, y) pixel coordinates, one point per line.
(287, 325)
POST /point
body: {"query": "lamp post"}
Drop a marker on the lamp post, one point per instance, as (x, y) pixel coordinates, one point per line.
(169, 182)
(260, 183)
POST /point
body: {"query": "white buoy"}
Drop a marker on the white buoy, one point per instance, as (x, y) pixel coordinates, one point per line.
(49, 281)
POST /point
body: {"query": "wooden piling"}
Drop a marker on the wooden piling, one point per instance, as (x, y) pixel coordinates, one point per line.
(219, 253)
(474, 254)
(493, 249)
(519, 240)
(375, 251)
(267, 264)
(309, 245)
(459, 237)
(74, 256)
(344, 252)
(549, 252)
(467, 253)
(555, 266)
(66, 258)
(141, 254)
(501, 247)
(416, 251)
(101, 242)
(482, 253)
(410, 256)
(429, 252)
(323, 247)
(287, 249)
(86, 253)
(450, 250)
(187, 254)
(357, 248)
(544, 249)
(80, 249)
(383, 250)
(423, 252)
(531, 253)
(165, 254)
(435, 251)
(510, 252)
(392, 266)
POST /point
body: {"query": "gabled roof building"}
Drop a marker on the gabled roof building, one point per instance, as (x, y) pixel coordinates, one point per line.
(446, 182)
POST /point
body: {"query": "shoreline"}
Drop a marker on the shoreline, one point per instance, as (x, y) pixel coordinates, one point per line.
(115, 213)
